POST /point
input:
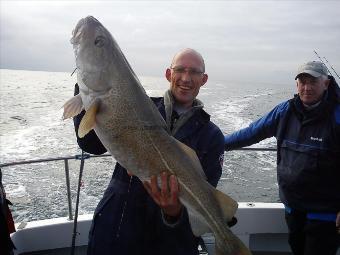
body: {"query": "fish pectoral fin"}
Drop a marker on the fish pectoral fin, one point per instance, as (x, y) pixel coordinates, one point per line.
(227, 204)
(88, 122)
(194, 159)
(73, 107)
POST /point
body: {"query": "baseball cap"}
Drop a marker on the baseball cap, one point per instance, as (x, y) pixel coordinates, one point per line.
(314, 68)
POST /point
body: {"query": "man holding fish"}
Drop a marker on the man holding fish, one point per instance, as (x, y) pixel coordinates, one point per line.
(171, 134)
(127, 220)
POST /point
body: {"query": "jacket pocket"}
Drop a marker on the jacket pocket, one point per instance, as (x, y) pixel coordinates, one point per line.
(298, 164)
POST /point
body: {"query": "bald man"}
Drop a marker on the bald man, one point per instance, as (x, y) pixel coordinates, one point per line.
(135, 218)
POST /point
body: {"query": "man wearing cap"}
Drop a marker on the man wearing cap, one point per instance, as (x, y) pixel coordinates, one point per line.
(307, 129)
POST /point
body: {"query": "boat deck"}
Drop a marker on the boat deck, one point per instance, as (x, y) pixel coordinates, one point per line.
(82, 251)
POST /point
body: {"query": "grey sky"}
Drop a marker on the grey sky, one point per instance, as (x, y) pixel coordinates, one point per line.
(260, 41)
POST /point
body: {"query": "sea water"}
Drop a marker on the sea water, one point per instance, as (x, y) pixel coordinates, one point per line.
(31, 128)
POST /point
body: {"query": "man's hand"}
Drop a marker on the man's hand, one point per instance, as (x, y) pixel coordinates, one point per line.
(166, 196)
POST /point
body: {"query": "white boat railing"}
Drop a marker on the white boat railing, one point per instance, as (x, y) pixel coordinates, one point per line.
(79, 157)
(66, 168)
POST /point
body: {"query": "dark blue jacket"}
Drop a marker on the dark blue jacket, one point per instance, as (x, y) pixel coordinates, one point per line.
(6, 244)
(308, 150)
(140, 230)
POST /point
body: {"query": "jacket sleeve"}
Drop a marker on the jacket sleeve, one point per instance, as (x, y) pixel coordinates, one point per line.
(90, 142)
(257, 131)
(212, 159)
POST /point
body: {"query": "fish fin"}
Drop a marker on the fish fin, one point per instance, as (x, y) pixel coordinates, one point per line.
(198, 224)
(227, 204)
(192, 154)
(73, 107)
(88, 122)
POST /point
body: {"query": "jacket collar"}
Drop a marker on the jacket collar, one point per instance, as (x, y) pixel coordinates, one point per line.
(198, 118)
(319, 111)
(184, 116)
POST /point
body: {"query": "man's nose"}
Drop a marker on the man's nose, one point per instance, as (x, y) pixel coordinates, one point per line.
(186, 76)
(308, 86)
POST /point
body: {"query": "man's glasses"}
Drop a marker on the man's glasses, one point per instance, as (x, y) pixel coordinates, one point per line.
(191, 71)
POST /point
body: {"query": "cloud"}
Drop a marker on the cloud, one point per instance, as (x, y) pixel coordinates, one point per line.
(267, 39)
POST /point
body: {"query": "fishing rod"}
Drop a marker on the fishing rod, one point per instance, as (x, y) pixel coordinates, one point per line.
(326, 65)
(331, 67)
(74, 71)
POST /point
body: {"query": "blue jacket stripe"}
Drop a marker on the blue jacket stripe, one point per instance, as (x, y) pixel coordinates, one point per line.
(315, 216)
(306, 145)
(322, 216)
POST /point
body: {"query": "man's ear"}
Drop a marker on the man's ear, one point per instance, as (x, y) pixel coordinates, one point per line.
(204, 79)
(327, 83)
(168, 74)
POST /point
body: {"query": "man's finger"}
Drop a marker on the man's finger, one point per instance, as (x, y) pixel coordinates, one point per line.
(164, 184)
(174, 188)
(154, 186)
(149, 189)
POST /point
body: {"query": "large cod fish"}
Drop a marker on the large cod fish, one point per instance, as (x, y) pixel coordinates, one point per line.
(133, 131)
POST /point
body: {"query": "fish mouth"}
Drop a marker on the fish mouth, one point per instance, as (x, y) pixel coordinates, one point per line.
(76, 33)
(80, 27)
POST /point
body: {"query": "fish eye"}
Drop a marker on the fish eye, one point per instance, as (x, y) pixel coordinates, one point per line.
(99, 41)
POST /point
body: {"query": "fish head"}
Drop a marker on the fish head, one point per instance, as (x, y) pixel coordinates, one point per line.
(93, 48)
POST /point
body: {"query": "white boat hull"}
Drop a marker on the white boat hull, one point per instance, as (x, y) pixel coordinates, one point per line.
(261, 226)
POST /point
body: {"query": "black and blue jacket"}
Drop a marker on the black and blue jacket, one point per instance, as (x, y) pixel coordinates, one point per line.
(308, 150)
(141, 230)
